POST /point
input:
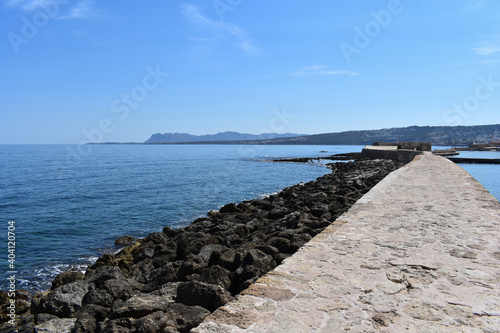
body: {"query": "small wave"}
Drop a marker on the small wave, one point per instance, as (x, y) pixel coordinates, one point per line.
(266, 195)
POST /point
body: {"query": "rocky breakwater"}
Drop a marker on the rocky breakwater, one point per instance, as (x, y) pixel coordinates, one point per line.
(170, 281)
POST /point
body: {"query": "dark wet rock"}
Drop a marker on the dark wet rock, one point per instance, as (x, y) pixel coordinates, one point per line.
(98, 297)
(206, 295)
(157, 322)
(141, 271)
(146, 253)
(169, 232)
(298, 240)
(282, 244)
(57, 325)
(229, 260)
(279, 257)
(156, 238)
(116, 326)
(215, 275)
(229, 208)
(191, 265)
(43, 317)
(105, 273)
(207, 250)
(89, 315)
(139, 306)
(191, 316)
(259, 260)
(67, 277)
(124, 240)
(277, 213)
(161, 276)
(105, 260)
(62, 301)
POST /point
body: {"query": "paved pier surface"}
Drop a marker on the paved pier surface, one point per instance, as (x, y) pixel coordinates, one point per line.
(419, 253)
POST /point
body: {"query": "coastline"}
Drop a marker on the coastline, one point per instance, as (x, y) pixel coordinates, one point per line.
(189, 272)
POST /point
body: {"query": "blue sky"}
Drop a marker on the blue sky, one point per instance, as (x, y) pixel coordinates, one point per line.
(82, 70)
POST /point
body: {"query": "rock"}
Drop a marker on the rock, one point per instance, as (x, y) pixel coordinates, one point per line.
(206, 295)
(157, 322)
(98, 297)
(102, 274)
(161, 276)
(56, 326)
(141, 272)
(282, 244)
(43, 317)
(228, 260)
(319, 210)
(298, 240)
(88, 317)
(277, 213)
(191, 316)
(279, 257)
(207, 250)
(145, 253)
(215, 275)
(124, 240)
(139, 306)
(67, 277)
(62, 301)
(191, 265)
(229, 208)
(169, 232)
(115, 326)
(105, 260)
(259, 260)
(268, 249)
(156, 238)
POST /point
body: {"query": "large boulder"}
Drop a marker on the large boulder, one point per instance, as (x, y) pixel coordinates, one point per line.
(62, 301)
(65, 325)
(209, 296)
(67, 277)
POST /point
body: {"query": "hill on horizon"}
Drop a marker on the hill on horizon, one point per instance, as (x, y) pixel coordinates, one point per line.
(438, 135)
(222, 136)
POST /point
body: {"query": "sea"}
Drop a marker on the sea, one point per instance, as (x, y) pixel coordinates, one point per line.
(65, 205)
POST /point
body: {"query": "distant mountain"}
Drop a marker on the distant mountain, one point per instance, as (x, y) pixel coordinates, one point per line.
(438, 135)
(225, 136)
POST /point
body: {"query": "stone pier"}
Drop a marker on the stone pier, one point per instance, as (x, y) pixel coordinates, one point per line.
(420, 252)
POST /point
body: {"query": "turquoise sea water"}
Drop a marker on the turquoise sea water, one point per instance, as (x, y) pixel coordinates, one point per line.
(70, 203)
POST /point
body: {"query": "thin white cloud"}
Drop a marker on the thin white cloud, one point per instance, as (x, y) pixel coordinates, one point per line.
(487, 49)
(474, 6)
(489, 45)
(83, 9)
(223, 31)
(489, 62)
(76, 10)
(321, 71)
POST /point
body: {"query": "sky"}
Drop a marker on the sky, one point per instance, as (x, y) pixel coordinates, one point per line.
(75, 71)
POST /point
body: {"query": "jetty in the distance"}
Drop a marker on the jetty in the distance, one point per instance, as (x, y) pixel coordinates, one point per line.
(420, 252)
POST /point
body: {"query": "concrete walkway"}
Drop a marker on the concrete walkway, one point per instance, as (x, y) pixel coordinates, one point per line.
(419, 253)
